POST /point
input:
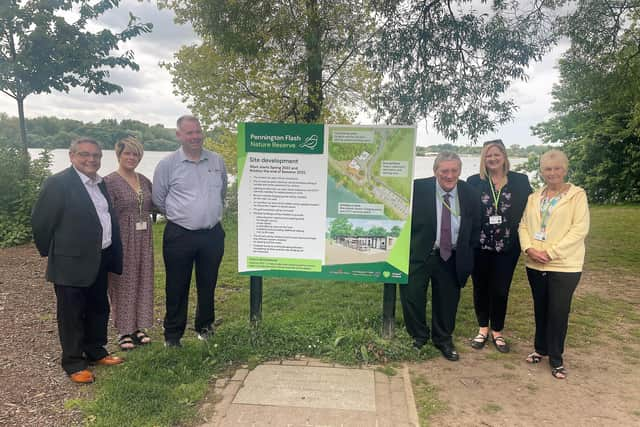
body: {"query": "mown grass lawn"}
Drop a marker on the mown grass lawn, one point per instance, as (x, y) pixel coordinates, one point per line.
(337, 321)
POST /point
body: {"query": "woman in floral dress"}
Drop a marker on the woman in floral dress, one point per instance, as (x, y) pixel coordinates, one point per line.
(503, 197)
(131, 294)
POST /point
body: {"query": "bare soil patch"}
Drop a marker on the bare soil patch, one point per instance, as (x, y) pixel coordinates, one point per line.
(33, 386)
(486, 388)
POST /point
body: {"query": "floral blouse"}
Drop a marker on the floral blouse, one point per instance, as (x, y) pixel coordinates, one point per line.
(497, 237)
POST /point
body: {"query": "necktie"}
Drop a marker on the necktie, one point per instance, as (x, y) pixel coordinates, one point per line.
(445, 229)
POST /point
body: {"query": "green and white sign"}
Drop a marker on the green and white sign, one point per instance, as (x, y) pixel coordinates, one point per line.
(325, 202)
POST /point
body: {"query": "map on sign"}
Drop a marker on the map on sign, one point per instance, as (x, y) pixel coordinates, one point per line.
(370, 175)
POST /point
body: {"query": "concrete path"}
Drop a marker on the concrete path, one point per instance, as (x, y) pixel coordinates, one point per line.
(310, 393)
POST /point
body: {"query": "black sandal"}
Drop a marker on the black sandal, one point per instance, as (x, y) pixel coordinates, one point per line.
(141, 338)
(126, 343)
(534, 357)
(500, 344)
(559, 373)
(479, 341)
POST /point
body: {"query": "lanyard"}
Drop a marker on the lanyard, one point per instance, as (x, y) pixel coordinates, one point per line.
(140, 194)
(496, 197)
(545, 209)
(449, 208)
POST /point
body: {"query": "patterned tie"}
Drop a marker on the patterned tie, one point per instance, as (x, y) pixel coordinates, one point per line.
(445, 229)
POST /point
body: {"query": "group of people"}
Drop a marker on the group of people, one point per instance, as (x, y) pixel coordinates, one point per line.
(97, 235)
(479, 228)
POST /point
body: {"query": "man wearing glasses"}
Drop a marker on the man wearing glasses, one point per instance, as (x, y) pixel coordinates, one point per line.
(74, 226)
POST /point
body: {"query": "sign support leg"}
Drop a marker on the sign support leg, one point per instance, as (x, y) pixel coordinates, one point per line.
(255, 299)
(389, 310)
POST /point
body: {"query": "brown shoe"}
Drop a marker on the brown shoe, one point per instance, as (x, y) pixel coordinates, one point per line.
(82, 377)
(109, 361)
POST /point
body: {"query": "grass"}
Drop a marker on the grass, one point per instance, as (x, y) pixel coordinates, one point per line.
(334, 321)
(492, 408)
(613, 242)
(426, 399)
(339, 322)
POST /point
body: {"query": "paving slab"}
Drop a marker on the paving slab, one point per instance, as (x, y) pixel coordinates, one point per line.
(314, 394)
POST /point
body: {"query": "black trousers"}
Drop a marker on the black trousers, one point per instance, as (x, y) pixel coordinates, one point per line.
(492, 274)
(552, 292)
(83, 315)
(182, 249)
(445, 295)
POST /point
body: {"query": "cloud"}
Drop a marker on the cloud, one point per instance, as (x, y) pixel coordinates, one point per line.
(148, 94)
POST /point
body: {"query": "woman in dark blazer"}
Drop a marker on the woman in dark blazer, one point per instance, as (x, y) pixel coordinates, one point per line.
(503, 196)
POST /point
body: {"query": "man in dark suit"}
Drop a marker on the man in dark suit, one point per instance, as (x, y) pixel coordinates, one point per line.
(74, 226)
(445, 227)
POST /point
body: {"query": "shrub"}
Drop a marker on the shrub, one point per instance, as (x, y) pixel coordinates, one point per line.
(18, 193)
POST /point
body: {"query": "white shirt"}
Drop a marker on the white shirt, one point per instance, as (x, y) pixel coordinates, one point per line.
(100, 204)
(454, 204)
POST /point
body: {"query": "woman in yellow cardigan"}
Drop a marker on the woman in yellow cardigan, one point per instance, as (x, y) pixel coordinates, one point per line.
(552, 232)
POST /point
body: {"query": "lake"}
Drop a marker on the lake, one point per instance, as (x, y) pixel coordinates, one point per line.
(60, 161)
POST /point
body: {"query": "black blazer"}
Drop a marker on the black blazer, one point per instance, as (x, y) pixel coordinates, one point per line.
(424, 225)
(520, 189)
(66, 228)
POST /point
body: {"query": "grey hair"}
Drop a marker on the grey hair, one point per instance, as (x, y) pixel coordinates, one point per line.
(445, 156)
(73, 148)
(186, 118)
(554, 154)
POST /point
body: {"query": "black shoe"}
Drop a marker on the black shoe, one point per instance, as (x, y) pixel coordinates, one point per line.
(479, 341)
(500, 344)
(205, 334)
(172, 343)
(418, 344)
(449, 352)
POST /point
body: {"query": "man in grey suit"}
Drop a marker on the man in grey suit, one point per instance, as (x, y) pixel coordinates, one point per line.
(74, 226)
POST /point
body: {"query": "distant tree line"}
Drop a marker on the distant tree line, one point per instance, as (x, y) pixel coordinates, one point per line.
(52, 132)
(513, 150)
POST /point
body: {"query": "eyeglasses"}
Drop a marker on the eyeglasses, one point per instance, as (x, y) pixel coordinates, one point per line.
(493, 141)
(86, 155)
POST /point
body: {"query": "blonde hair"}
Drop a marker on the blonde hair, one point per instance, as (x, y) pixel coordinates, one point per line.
(554, 155)
(483, 154)
(131, 143)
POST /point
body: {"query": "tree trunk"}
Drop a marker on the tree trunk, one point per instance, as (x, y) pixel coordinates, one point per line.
(23, 135)
(315, 98)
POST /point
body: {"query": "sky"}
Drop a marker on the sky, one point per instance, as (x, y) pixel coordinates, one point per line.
(148, 94)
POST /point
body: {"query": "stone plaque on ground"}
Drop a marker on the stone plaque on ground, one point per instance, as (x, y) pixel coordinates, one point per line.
(309, 387)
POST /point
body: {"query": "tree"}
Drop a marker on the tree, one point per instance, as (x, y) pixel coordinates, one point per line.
(51, 132)
(43, 50)
(597, 102)
(340, 227)
(452, 61)
(285, 61)
(321, 60)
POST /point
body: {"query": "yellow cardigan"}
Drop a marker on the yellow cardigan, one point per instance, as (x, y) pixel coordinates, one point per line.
(567, 227)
